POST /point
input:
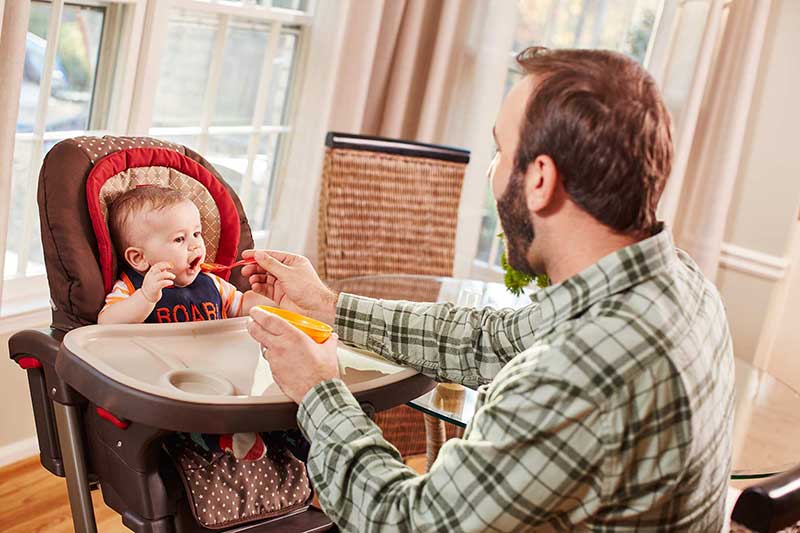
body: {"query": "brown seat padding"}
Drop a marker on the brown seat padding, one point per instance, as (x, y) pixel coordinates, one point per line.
(70, 247)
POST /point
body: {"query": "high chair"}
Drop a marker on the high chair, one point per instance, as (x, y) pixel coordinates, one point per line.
(106, 397)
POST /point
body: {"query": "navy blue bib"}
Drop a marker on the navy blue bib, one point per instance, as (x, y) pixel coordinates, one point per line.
(199, 300)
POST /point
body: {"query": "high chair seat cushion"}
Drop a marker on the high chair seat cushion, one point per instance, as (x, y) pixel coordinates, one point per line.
(126, 169)
(72, 256)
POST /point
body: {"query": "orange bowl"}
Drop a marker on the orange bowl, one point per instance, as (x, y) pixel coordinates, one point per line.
(318, 331)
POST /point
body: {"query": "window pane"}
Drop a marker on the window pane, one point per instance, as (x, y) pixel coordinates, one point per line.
(23, 237)
(610, 24)
(489, 227)
(35, 44)
(264, 180)
(297, 5)
(184, 69)
(228, 154)
(244, 53)
(281, 79)
(76, 68)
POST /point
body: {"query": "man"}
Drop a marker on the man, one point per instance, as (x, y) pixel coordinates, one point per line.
(604, 405)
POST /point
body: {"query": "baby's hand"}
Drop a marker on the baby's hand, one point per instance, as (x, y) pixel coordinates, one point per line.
(157, 278)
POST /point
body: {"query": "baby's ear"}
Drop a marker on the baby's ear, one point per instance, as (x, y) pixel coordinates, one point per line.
(135, 258)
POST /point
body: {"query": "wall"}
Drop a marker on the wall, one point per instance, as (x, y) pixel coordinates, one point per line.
(766, 199)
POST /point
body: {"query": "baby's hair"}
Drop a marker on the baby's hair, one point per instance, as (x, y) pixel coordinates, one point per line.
(137, 200)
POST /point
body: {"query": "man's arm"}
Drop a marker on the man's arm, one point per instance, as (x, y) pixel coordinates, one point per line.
(533, 455)
(445, 342)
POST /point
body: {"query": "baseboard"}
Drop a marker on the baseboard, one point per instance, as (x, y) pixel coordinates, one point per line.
(16, 451)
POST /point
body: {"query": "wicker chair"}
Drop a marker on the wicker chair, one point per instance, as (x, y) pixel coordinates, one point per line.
(391, 207)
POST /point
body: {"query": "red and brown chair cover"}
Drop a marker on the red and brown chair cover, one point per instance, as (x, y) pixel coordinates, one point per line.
(78, 179)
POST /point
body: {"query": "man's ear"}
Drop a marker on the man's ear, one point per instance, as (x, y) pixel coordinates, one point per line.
(541, 183)
(135, 258)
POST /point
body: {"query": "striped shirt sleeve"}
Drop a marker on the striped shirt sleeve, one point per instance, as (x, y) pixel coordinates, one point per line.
(230, 295)
(122, 289)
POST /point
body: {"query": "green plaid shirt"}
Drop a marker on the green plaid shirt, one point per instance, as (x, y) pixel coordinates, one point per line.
(606, 405)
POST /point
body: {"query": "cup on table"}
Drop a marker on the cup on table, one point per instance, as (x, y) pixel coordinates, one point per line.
(469, 297)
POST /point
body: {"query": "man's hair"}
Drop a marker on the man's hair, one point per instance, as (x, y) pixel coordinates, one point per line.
(132, 202)
(600, 117)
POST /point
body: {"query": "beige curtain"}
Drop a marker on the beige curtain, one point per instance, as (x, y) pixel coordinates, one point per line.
(401, 61)
(705, 189)
(13, 31)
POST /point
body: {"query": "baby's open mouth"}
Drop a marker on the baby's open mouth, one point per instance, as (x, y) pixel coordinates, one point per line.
(194, 262)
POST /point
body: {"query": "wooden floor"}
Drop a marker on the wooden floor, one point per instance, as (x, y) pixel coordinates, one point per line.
(34, 500)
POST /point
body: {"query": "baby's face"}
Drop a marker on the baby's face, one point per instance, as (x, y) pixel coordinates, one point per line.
(174, 234)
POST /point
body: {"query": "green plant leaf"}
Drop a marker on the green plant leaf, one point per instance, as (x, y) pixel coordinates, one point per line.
(515, 280)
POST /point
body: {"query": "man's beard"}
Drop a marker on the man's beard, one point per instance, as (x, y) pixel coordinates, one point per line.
(515, 218)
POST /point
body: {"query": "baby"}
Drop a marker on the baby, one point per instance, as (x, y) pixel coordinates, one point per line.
(158, 234)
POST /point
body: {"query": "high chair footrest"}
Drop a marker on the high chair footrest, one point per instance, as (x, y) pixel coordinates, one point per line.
(310, 520)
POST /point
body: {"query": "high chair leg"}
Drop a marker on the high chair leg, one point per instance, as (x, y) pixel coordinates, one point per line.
(73, 454)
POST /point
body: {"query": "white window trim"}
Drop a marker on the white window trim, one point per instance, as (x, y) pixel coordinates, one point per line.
(13, 41)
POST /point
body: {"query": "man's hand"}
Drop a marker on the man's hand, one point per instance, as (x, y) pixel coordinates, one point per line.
(157, 278)
(291, 281)
(297, 362)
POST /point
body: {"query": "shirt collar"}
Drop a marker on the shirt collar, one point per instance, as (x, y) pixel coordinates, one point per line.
(612, 274)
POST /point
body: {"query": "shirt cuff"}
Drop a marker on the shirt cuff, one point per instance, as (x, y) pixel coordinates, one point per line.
(353, 318)
(329, 404)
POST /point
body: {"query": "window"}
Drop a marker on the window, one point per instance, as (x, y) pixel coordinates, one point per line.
(223, 90)
(219, 77)
(625, 26)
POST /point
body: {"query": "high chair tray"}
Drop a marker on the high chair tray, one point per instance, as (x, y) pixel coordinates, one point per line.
(207, 376)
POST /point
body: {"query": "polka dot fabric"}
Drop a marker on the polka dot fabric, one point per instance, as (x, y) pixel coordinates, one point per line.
(224, 491)
(97, 148)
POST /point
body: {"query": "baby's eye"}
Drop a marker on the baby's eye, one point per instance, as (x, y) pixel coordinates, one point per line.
(178, 239)
(197, 234)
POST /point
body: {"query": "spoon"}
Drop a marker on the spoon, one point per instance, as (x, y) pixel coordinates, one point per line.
(218, 267)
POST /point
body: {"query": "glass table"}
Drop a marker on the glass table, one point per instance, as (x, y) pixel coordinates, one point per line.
(767, 415)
